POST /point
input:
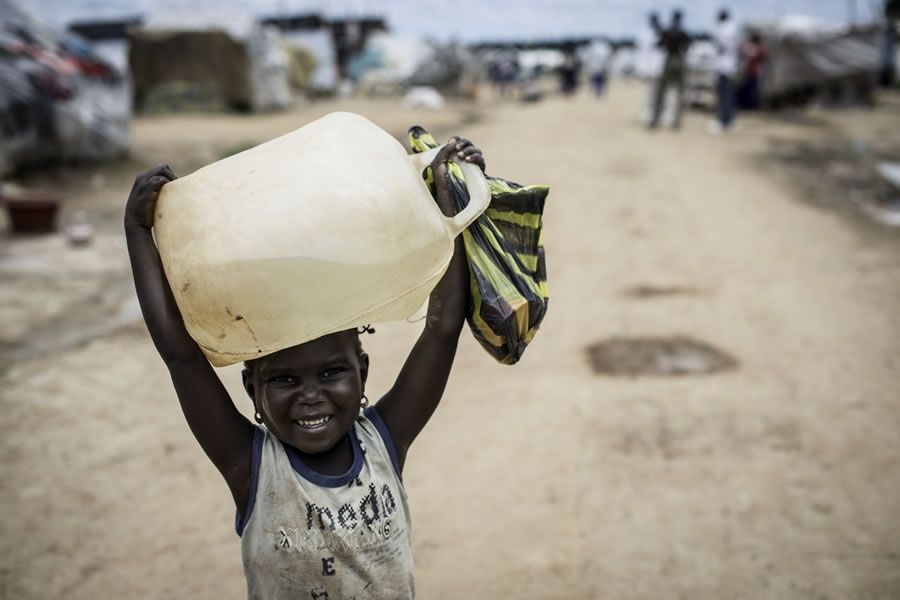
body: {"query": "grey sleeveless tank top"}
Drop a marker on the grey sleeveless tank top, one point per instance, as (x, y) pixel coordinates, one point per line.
(308, 535)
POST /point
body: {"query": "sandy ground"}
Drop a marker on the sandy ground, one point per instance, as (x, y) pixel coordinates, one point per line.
(777, 479)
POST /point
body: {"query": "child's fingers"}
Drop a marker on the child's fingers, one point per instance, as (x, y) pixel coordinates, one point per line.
(477, 159)
(155, 183)
(162, 171)
(473, 155)
(154, 177)
(462, 149)
(169, 173)
(443, 155)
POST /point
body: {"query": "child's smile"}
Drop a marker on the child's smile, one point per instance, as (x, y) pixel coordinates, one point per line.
(313, 424)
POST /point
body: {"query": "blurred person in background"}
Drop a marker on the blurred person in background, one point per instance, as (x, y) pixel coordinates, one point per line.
(674, 42)
(507, 72)
(596, 62)
(753, 53)
(888, 73)
(727, 47)
(649, 63)
(568, 72)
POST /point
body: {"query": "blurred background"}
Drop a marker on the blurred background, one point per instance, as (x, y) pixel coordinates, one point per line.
(710, 409)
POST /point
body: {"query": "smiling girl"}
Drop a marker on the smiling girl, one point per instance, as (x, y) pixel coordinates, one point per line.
(316, 481)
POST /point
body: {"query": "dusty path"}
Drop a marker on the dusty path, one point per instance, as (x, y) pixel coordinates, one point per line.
(779, 479)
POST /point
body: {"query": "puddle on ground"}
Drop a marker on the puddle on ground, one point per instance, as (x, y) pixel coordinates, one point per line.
(646, 292)
(657, 356)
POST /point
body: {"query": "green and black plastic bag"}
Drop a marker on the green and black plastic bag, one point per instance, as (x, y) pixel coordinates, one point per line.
(505, 251)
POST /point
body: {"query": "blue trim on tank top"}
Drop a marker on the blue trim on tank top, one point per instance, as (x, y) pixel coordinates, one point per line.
(330, 481)
(301, 469)
(372, 414)
(255, 457)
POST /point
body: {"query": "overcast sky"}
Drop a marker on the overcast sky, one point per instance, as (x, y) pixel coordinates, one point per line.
(471, 20)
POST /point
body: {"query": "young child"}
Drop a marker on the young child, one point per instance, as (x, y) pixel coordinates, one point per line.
(320, 504)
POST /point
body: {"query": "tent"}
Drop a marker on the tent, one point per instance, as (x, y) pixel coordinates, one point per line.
(220, 56)
(59, 100)
(806, 55)
(320, 45)
(390, 57)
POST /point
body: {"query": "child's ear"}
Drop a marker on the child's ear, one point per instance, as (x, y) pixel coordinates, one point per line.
(247, 378)
(363, 368)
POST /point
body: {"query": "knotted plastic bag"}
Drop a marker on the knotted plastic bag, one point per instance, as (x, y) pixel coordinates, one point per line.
(505, 251)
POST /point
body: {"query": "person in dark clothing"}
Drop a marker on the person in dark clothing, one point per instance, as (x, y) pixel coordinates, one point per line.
(754, 55)
(674, 42)
(568, 72)
(888, 58)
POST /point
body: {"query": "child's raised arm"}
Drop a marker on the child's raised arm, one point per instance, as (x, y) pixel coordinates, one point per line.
(224, 434)
(412, 400)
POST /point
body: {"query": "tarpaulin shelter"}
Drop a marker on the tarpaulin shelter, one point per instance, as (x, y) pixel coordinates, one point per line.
(108, 38)
(59, 100)
(448, 68)
(389, 58)
(805, 54)
(228, 55)
(310, 38)
(320, 45)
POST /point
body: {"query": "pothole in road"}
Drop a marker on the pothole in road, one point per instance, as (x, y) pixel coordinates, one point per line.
(648, 292)
(657, 356)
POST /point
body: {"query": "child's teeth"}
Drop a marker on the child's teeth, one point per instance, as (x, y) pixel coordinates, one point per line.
(313, 422)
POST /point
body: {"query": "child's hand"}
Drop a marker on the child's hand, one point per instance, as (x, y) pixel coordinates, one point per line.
(142, 201)
(464, 150)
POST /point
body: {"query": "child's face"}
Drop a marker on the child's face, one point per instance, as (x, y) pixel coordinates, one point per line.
(309, 395)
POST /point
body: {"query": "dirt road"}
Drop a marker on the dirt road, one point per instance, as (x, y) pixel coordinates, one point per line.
(779, 478)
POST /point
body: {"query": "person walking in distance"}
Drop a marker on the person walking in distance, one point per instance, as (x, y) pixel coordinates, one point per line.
(649, 64)
(597, 61)
(727, 48)
(674, 41)
(569, 71)
(754, 54)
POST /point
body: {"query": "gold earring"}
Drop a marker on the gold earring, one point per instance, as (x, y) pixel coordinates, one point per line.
(364, 402)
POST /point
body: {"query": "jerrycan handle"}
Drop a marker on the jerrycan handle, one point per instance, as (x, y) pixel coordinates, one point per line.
(476, 184)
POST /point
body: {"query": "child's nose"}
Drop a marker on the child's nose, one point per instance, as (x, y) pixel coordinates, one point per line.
(310, 394)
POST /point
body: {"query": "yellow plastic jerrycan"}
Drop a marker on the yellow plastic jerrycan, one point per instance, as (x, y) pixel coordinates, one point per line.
(322, 229)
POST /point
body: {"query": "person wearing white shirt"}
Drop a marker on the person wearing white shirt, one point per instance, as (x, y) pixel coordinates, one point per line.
(727, 46)
(597, 59)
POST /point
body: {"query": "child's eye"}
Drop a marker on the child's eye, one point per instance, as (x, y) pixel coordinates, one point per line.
(332, 372)
(282, 379)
